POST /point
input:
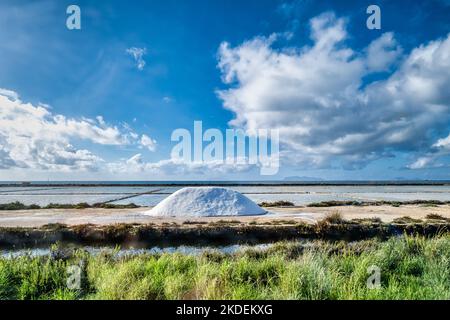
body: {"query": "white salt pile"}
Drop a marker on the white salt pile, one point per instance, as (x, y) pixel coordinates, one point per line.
(206, 202)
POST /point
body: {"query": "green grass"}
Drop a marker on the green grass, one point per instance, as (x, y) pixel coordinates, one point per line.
(412, 267)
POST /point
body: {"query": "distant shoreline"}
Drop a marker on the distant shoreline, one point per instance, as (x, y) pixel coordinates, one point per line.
(221, 183)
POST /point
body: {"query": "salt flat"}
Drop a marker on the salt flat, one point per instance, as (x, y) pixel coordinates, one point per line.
(40, 217)
(151, 196)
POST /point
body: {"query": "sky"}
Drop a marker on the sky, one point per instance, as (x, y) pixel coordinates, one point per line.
(102, 102)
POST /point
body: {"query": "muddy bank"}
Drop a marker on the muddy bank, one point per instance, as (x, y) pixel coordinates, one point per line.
(141, 236)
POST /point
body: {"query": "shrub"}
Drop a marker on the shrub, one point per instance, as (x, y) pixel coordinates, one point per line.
(367, 220)
(406, 220)
(13, 206)
(433, 216)
(334, 217)
(280, 203)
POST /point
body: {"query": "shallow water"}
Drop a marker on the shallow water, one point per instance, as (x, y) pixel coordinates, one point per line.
(299, 195)
(188, 250)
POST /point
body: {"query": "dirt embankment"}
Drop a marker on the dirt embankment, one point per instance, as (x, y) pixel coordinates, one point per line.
(223, 233)
(130, 227)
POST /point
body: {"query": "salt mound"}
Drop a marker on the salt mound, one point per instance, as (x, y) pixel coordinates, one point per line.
(206, 202)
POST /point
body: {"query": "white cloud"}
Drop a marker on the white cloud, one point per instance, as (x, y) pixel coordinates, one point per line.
(138, 56)
(443, 143)
(431, 160)
(167, 99)
(315, 95)
(177, 167)
(422, 162)
(9, 94)
(134, 161)
(33, 137)
(383, 52)
(148, 142)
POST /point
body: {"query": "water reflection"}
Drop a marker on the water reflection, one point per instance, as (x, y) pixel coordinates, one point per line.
(187, 250)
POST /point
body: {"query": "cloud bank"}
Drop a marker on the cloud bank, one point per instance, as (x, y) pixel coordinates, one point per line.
(31, 136)
(178, 167)
(327, 114)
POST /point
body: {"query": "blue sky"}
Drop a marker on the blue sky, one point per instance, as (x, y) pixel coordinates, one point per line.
(194, 70)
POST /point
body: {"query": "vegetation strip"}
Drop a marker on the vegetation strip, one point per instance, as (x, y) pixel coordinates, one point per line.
(338, 203)
(83, 205)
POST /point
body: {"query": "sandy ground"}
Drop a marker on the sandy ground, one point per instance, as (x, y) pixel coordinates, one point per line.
(36, 218)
